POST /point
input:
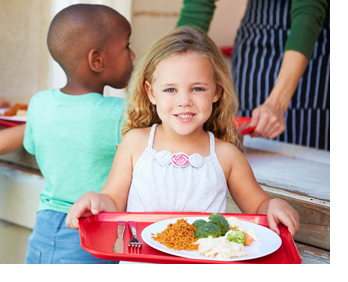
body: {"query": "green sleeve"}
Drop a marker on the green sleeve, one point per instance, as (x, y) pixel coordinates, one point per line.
(307, 17)
(197, 13)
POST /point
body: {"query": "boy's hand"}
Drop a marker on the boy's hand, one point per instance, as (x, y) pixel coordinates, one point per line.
(280, 211)
(88, 204)
(4, 103)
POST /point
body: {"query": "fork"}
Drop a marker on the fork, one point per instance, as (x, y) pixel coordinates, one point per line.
(134, 242)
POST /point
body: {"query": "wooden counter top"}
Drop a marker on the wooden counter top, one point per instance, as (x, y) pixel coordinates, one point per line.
(290, 167)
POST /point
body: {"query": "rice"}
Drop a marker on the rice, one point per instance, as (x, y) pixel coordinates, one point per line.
(178, 236)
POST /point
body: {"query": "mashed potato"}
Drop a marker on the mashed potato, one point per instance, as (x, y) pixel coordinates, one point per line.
(219, 248)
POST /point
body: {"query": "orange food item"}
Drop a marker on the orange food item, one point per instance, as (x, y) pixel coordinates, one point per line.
(248, 240)
(13, 110)
(178, 236)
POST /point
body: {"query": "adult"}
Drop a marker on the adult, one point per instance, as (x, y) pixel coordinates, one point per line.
(280, 66)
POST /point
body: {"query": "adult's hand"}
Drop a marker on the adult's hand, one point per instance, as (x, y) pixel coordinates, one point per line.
(268, 120)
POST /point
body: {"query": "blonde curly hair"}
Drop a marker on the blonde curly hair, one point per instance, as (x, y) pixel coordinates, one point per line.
(142, 113)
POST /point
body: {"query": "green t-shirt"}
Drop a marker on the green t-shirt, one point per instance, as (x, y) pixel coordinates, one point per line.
(74, 141)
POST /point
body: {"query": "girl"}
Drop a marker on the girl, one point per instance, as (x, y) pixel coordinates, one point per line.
(181, 96)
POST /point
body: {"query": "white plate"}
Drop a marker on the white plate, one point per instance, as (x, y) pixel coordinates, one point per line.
(270, 241)
(14, 118)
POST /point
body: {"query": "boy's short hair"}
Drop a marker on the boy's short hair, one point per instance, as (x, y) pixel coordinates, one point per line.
(76, 28)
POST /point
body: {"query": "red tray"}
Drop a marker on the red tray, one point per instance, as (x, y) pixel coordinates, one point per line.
(98, 235)
(240, 121)
(6, 123)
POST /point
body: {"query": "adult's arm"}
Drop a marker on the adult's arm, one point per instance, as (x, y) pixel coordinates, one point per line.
(307, 17)
(198, 13)
(268, 118)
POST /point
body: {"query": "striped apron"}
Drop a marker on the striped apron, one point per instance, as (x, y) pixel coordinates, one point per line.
(257, 55)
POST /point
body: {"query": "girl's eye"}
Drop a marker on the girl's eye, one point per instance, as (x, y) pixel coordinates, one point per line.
(169, 90)
(198, 89)
(128, 45)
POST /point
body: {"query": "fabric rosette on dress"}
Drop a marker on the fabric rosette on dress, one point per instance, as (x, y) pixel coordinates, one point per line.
(179, 159)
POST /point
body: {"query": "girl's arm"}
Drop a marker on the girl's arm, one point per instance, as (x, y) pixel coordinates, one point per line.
(11, 138)
(114, 195)
(241, 182)
(118, 183)
(249, 196)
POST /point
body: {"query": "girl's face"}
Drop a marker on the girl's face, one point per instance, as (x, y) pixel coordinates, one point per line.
(184, 92)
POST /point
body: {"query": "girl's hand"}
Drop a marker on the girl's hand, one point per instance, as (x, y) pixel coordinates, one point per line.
(88, 204)
(280, 211)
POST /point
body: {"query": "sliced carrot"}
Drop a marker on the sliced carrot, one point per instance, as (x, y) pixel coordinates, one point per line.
(248, 240)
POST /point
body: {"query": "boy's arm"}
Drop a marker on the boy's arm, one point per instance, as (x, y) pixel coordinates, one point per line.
(11, 139)
(4, 103)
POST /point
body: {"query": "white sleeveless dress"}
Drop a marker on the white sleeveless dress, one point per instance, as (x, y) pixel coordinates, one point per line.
(166, 182)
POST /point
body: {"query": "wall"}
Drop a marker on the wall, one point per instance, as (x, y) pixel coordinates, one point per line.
(24, 55)
(152, 19)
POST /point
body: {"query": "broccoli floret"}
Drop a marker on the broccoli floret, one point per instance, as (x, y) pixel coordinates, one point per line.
(208, 229)
(199, 223)
(236, 236)
(220, 221)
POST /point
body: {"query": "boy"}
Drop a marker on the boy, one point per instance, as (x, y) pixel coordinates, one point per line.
(73, 131)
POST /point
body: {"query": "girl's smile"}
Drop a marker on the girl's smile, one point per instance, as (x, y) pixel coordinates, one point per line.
(184, 117)
(184, 91)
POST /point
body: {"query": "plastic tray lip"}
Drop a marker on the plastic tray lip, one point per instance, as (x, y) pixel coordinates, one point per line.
(167, 258)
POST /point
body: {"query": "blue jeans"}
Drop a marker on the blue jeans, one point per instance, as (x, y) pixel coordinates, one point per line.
(52, 242)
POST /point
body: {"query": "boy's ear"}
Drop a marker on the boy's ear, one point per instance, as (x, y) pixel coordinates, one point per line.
(149, 92)
(95, 61)
(218, 93)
